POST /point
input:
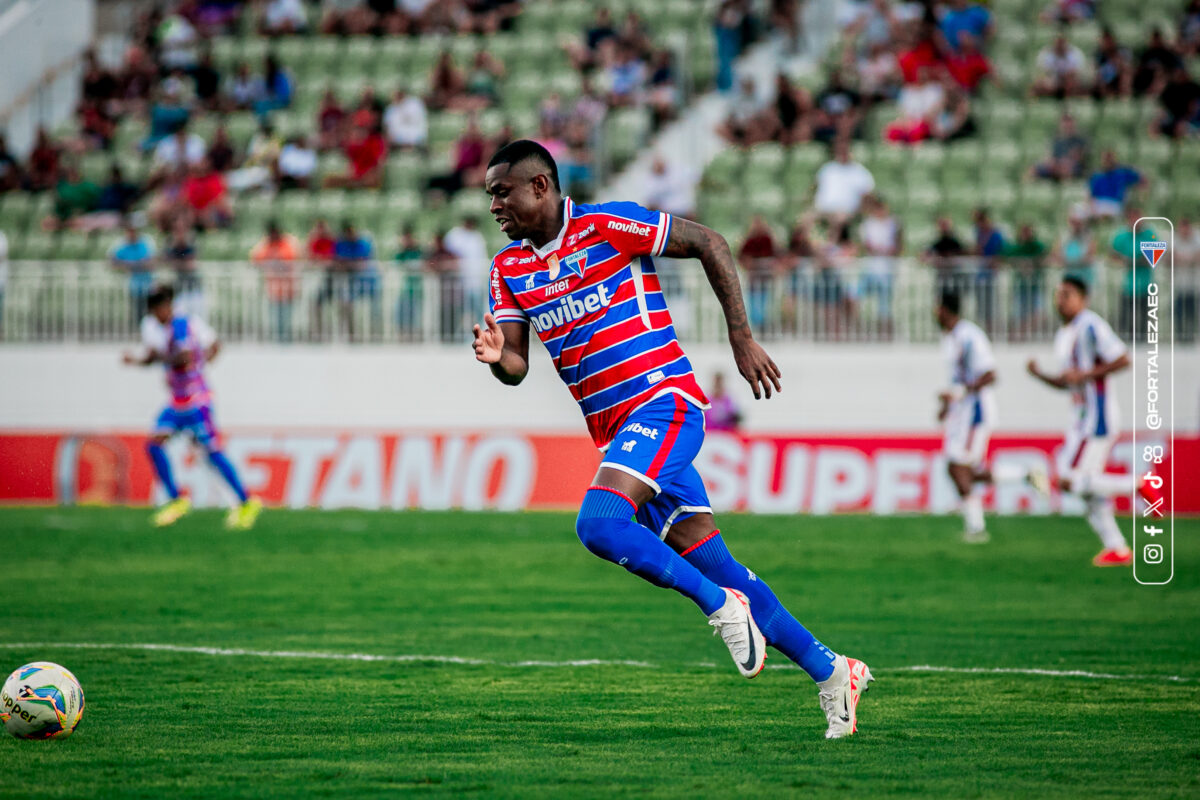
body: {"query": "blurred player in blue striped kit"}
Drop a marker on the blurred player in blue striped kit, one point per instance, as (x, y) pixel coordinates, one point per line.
(184, 345)
(583, 277)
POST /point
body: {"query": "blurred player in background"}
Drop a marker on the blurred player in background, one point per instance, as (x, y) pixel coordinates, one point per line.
(184, 345)
(584, 278)
(1088, 351)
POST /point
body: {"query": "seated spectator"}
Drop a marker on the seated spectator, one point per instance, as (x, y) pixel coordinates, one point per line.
(878, 73)
(180, 256)
(841, 185)
(793, 113)
(277, 87)
(206, 82)
(99, 84)
(43, 171)
(220, 152)
(963, 16)
(369, 110)
(733, 24)
(137, 79)
(723, 413)
(1110, 185)
(662, 94)
(73, 196)
(746, 123)
(367, 152)
(626, 77)
(1068, 154)
(330, 119)
(11, 175)
(468, 157)
(297, 164)
(346, 17)
(207, 197)
(168, 202)
(180, 150)
(967, 65)
(584, 54)
(276, 254)
(446, 83)
(576, 166)
(955, 120)
(1067, 11)
(670, 188)
(636, 34)
(839, 109)
(96, 127)
(481, 88)
(1189, 29)
(1156, 60)
(245, 90)
(882, 239)
(589, 107)
(1075, 252)
(758, 257)
(177, 39)
(920, 105)
(134, 254)
(262, 156)
(918, 49)
(1114, 68)
(283, 18)
(118, 195)
(168, 113)
(1027, 258)
(1060, 65)
(1180, 101)
(406, 121)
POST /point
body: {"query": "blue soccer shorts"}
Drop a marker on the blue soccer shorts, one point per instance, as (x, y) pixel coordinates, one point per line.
(197, 422)
(657, 444)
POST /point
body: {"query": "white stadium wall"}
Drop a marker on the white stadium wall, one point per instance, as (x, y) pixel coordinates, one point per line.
(829, 388)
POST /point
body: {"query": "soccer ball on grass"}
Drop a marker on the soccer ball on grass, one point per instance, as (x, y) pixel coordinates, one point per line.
(41, 701)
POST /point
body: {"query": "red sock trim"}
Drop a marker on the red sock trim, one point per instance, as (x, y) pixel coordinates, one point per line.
(619, 494)
(699, 543)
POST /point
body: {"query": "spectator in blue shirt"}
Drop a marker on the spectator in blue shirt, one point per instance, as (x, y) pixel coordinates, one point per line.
(1110, 186)
(353, 256)
(989, 246)
(134, 253)
(963, 16)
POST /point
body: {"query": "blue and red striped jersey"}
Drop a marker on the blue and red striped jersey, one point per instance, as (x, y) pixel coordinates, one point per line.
(594, 299)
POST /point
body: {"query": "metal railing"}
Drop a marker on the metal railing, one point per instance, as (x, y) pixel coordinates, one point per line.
(863, 300)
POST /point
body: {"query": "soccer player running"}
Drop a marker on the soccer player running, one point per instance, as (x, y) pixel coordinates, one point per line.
(183, 345)
(1088, 351)
(583, 277)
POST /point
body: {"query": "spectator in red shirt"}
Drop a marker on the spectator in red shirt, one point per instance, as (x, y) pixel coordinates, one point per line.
(968, 66)
(367, 151)
(329, 121)
(920, 51)
(43, 163)
(468, 156)
(206, 196)
(320, 243)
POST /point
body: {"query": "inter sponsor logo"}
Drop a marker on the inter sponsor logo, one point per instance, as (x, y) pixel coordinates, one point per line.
(570, 309)
(630, 227)
(555, 288)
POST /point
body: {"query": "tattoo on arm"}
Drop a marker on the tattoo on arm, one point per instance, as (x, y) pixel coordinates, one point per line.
(692, 240)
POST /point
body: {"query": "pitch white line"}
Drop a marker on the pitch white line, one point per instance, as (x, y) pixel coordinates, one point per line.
(587, 662)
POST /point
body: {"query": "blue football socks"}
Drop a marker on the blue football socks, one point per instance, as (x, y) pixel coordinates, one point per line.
(230, 475)
(606, 528)
(162, 468)
(780, 628)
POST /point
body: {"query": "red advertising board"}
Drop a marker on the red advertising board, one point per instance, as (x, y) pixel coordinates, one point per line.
(524, 470)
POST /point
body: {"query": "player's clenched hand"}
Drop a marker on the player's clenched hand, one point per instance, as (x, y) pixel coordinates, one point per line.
(489, 341)
(756, 366)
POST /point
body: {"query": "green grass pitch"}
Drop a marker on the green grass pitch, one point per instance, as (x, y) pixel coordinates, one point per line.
(503, 589)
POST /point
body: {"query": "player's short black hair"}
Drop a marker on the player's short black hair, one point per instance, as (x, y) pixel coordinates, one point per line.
(162, 293)
(514, 153)
(950, 301)
(1077, 282)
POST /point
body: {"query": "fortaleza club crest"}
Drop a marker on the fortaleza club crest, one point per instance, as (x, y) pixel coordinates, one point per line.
(1153, 251)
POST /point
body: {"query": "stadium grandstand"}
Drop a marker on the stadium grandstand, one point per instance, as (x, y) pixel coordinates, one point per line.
(311, 170)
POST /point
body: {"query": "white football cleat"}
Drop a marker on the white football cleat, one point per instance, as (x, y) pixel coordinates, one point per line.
(839, 696)
(976, 537)
(740, 632)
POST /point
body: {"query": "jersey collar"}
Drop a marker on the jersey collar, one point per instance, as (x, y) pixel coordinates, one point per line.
(557, 241)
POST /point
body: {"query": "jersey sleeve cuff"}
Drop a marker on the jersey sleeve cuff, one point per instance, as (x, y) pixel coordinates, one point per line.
(664, 234)
(510, 316)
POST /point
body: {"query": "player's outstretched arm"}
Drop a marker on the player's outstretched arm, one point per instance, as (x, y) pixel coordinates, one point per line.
(504, 347)
(1054, 381)
(692, 240)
